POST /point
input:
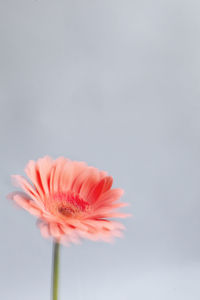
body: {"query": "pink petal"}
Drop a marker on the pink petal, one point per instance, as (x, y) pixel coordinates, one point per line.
(108, 197)
(34, 175)
(67, 176)
(44, 166)
(101, 187)
(44, 228)
(25, 185)
(59, 168)
(79, 180)
(90, 181)
(55, 230)
(27, 204)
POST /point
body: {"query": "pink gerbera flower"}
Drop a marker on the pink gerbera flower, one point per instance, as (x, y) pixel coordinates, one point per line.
(70, 199)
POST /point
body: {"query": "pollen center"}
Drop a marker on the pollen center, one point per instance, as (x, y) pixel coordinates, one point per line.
(69, 204)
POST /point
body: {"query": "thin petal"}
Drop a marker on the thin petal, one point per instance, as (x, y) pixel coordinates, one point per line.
(85, 181)
(25, 185)
(44, 166)
(79, 180)
(88, 184)
(66, 176)
(108, 197)
(110, 215)
(34, 175)
(105, 207)
(56, 174)
(44, 228)
(101, 187)
(27, 204)
(55, 230)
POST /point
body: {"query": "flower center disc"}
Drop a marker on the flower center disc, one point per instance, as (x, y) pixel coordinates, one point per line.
(70, 204)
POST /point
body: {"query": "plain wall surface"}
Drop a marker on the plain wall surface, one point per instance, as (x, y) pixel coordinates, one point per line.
(116, 84)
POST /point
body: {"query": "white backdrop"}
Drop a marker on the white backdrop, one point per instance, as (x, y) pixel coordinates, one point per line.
(116, 84)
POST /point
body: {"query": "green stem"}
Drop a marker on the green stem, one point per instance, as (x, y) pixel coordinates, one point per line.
(55, 271)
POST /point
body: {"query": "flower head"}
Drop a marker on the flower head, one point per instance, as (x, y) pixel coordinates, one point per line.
(70, 199)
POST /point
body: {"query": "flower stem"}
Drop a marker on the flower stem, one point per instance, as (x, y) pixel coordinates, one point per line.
(55, 270)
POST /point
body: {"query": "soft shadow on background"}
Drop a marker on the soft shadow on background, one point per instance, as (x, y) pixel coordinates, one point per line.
(117, 84)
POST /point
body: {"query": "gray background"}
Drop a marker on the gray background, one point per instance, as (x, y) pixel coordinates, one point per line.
(116, 84)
